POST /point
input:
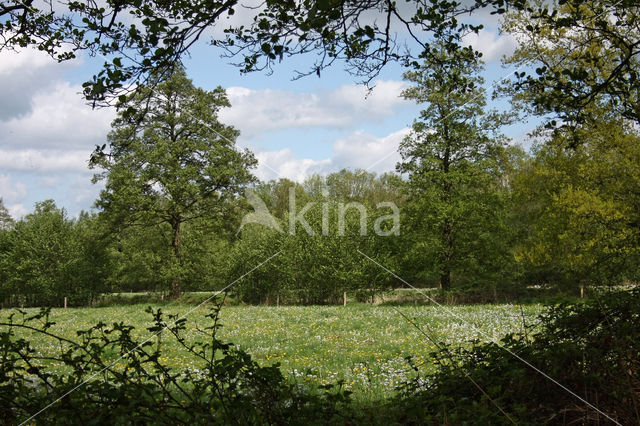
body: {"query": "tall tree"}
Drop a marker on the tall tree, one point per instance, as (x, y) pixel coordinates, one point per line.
(174, 164)
(586, 55)
(452, 155)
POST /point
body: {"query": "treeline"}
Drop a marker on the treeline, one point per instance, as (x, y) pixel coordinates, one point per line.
(466, 211)
(47, 255)
(562, 217)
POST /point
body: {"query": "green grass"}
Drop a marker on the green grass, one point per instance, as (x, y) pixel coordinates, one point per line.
(362, 344)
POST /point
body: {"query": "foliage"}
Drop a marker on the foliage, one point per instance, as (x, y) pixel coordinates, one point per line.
(343, 31)
(586, 54)
(109, 376)
(590, 348)
(175, 164)
(138, 257)
(600, 37)
(47, 257)
(6, 221)
(580, 206)
(141, 38)
(455, 160)
(320, 240)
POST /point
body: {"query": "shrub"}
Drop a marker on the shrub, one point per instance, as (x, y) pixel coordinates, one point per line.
(591, 348)
(108, 377)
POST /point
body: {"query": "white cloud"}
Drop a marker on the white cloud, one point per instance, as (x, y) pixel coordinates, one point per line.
(24, 74)
(47, 133)
(492, 45)
(365, 151)
(45, 161)
(84, 193)
(17, 211)
(24, 61)
(358, 150)
(59, 118)
(254, 112)
(284, 163)
(11, 192)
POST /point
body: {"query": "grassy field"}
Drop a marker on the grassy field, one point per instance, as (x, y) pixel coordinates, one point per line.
(362, 344)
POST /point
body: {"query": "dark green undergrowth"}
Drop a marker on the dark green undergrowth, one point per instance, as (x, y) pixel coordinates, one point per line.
(591, 347)
(110, 378)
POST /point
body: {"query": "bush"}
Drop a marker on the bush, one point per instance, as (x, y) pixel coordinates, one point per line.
(108, 377)
(591, 348)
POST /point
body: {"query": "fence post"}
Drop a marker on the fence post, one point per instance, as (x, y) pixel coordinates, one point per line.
(65, 302)
(344, 299)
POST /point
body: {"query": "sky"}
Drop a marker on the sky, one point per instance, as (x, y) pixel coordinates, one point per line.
(295, 127)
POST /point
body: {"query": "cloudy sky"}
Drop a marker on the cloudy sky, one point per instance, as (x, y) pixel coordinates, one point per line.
(295, 127)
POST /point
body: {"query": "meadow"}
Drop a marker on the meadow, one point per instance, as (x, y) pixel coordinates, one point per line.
(363, 345)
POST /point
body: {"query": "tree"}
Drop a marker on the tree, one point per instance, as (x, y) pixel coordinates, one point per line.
(175, 164)
(586, 55)
(140, 258)
(6, 221)
(581, 206)
(46, 257)
(275, 194)
(318, 263)
(40, 256)
(92, 266)
(453, 159)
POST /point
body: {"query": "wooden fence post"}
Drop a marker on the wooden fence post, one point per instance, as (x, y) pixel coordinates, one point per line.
(65, 302)
(344, 299)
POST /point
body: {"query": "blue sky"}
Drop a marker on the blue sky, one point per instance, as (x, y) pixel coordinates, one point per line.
(295, 127)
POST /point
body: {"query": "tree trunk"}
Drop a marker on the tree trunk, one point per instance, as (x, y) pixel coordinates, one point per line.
(447, 236)
(445, 277)
(176, 284)
(447, 249)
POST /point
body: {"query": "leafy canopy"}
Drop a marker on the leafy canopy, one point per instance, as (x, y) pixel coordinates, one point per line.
(143, 38)
(174, 163)
(586, 54)
(453, 161)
